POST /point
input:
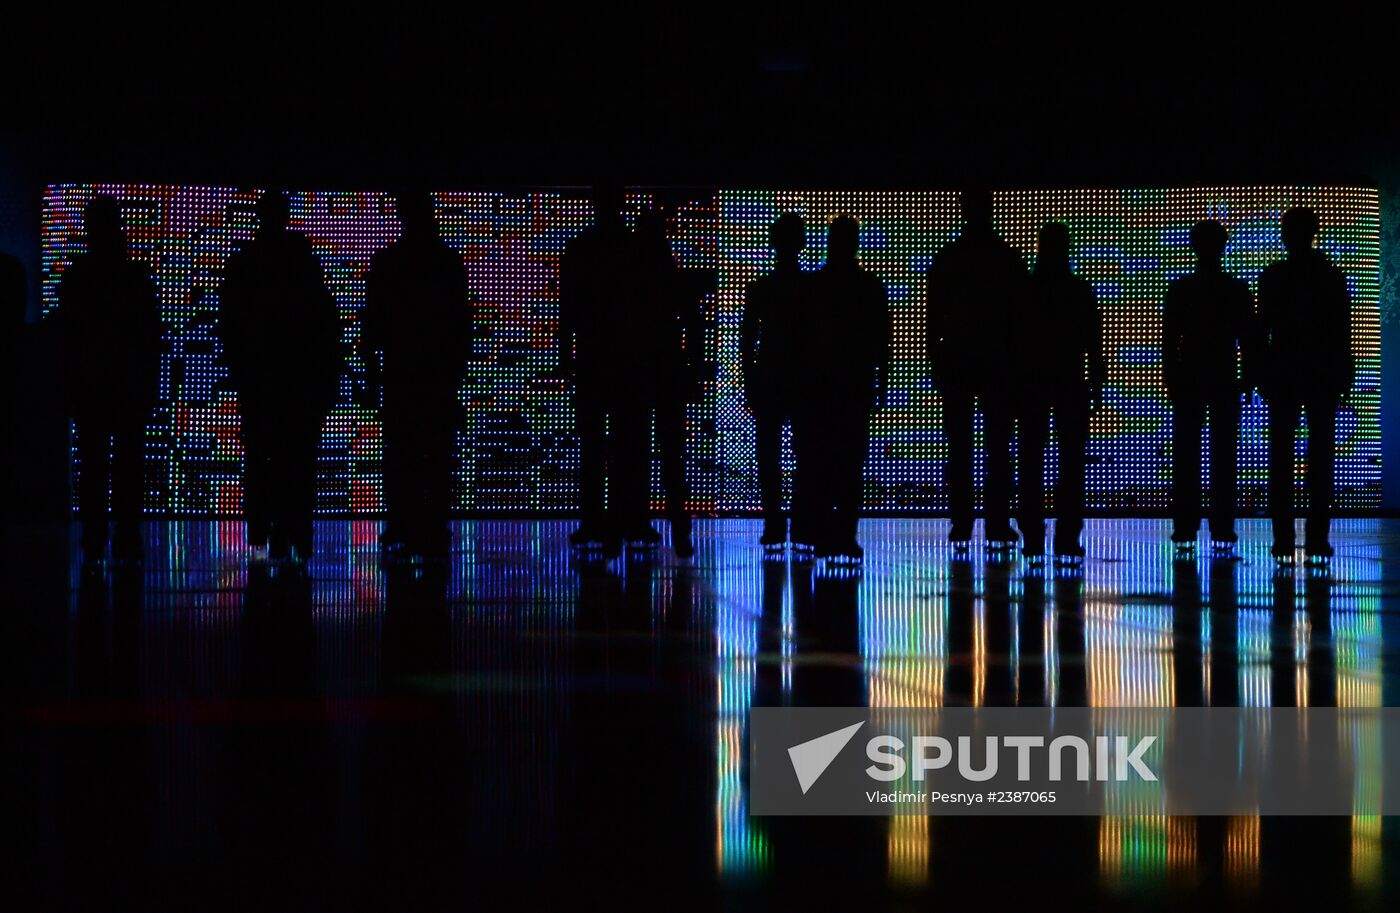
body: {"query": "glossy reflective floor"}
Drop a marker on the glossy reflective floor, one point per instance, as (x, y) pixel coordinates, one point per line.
(202, 733)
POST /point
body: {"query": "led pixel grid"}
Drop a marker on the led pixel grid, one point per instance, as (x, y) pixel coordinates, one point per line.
(1129, 244)
(515, 439)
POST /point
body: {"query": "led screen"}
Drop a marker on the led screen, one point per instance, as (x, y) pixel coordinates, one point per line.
(516, 448)
(1129, 244)
(515, 443)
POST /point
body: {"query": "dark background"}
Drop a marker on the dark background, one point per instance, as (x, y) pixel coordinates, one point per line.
(699, 96)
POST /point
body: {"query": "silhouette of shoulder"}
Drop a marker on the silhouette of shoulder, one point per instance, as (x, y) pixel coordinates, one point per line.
(1315, 271)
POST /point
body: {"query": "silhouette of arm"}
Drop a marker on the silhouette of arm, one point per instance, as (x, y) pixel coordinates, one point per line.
(1247, 335)
(1171, 337)
(570, 305)
(1339, 312)
(152, 324)
(690, 310)
(1098, 362)
(329, 343)
(935, 317)
(466, 310)
(232, 327)
(749, 329)
(1265, 317)
(882, 339)
(372, 319)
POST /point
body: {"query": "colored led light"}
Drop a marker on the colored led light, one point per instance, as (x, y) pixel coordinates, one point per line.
(516, 447)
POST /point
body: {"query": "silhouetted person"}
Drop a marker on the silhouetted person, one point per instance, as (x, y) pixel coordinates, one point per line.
(1305, 327)
(281, 341)
(844, 351)
(110, 325)
(773, 306)
(973, 285)
(1207, 333)
(667, 346)
(13, 295)
(597, 279)
(417, 316)
(1060, 366)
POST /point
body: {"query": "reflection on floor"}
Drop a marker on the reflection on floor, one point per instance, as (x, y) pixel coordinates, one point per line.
(206, 731)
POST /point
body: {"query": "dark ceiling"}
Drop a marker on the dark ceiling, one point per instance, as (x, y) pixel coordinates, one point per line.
(517, 99)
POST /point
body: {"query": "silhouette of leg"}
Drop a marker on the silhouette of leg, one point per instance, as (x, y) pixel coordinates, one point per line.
(629, 467)
(1283, 416)
(128, 483)
(957, 475)
(817, 432)
(300, 472)
(1322, 453)
(807, 481)
(768, 445)
(398, 465)
(851, 443)
(1035, 430)
(1224, 445)
(591, 424)
(279, 482)
(996, 426)
(828, 455)
(1187, 416)
(93, 448)
(670, 441)
(432, 502)
(1072, 428)
(257, 499)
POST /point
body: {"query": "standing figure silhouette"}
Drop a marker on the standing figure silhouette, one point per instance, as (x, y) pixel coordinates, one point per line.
(667, 349)
(416, 331)
(1308, 365)
(1058, 348)
(973, 286)
(281, 340)
(14, 294)
(597, 285)
(110, 327)
(844, 350)
(14, 291)
(1208, 331)
(773, 307)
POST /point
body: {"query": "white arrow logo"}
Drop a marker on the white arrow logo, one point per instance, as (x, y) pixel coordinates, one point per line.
(811, 759)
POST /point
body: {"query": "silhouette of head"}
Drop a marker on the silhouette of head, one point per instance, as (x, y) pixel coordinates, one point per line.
(607, 197)
(976, 203)
(102, 225)
(788, 236)
(842, 239)
(1052, 245)
(415, 212)
(274, 211)
(1299, 226)
(1208, 239)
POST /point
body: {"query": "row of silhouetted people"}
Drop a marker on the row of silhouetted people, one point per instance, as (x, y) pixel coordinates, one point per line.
(1025, 348)
(282, 342)
(630, 344)
(1022, 347)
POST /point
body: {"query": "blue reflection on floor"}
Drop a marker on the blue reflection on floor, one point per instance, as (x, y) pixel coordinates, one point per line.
(475, 710)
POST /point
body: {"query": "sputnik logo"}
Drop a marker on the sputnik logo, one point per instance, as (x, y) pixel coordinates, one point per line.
(810, 759)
